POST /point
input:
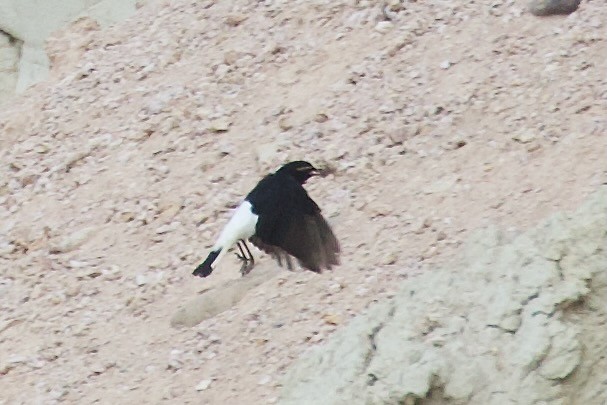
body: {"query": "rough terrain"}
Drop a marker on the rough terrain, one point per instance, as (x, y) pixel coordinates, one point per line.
(115, 176)
(521, 321)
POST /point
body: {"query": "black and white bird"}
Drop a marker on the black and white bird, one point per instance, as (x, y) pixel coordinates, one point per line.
(279, 217)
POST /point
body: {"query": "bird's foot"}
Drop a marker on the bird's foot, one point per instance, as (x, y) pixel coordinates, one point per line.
(246, 267)
(247, 264)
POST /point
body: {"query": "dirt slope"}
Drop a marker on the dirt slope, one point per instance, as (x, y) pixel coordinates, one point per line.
(116, 176)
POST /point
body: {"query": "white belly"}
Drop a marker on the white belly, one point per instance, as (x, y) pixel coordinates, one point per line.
(240, 226)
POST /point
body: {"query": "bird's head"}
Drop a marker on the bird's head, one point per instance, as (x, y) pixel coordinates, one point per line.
(299, 170)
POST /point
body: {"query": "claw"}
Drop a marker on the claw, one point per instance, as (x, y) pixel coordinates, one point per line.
(246, 268)
(248, 260)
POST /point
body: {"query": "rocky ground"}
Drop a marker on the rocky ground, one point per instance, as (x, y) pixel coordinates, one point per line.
(440, 118)
(519, 320)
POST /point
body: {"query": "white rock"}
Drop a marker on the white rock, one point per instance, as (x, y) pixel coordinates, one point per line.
(140, 280)
(72, 240)
(383, 26)
(203, 385)
(264, 380)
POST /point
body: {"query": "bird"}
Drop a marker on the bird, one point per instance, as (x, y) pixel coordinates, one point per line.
(279, 217)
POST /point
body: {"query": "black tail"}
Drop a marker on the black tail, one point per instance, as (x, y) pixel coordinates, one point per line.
(204, 269)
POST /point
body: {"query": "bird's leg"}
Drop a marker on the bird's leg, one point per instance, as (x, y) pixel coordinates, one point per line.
(289, 263)
(247, 258)
(241, 256)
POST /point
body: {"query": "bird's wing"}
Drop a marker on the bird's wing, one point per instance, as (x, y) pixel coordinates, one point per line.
(308, 238)
(295, 226)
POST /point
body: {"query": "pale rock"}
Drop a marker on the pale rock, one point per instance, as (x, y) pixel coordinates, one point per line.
(384, 26)
(220, 125)
(203, 385)
(564, 356)
(483, 329)
(72, 240)
(524, 136)
(264, 380)
(140, 280)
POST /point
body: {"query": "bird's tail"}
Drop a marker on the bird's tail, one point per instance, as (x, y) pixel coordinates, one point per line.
(205, 268)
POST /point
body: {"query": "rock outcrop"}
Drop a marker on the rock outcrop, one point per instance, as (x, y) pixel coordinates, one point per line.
(25, 26)
(521, 321)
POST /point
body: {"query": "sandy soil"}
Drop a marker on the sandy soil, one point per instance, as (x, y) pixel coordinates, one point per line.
(117, 174)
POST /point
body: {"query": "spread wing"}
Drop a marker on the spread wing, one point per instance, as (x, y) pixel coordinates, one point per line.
(292, 224)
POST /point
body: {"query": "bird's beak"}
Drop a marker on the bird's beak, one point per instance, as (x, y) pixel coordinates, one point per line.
(325, 171)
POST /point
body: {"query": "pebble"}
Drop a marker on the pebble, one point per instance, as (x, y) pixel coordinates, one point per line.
(383, 26)
(264, 380)
(219, 125)
(203, 385)
(72, 240)
(162, 229)
(97, 368)
(524, 137)
(335, 288)
(17, 359)
(140, 280)
(72, 290)
(551, 7)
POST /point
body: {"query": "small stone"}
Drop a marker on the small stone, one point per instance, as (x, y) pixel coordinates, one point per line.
(97, 368)
(332, 319)
(165, 228)
(56, 299)
(203, 385)
(285, 123)
(140, 280)
(16, 359)
(264, 380)
(383, 26)
(175, 363)
(220, 125)
(57, 394)
(72, 290)
(222, 70)
(177, 391)
(235, 20)
(335, 288)
(88, 273)
(72, 240)
(444, 185)
(445, 65)
(320, 118)
(389, 258)
(430, 252)
(126, 216)
(168, 212)
(77, 264)
(524, 137)
(455, 143)
(552, 7)
(230, 57)
(37, 363)
(6, 367)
